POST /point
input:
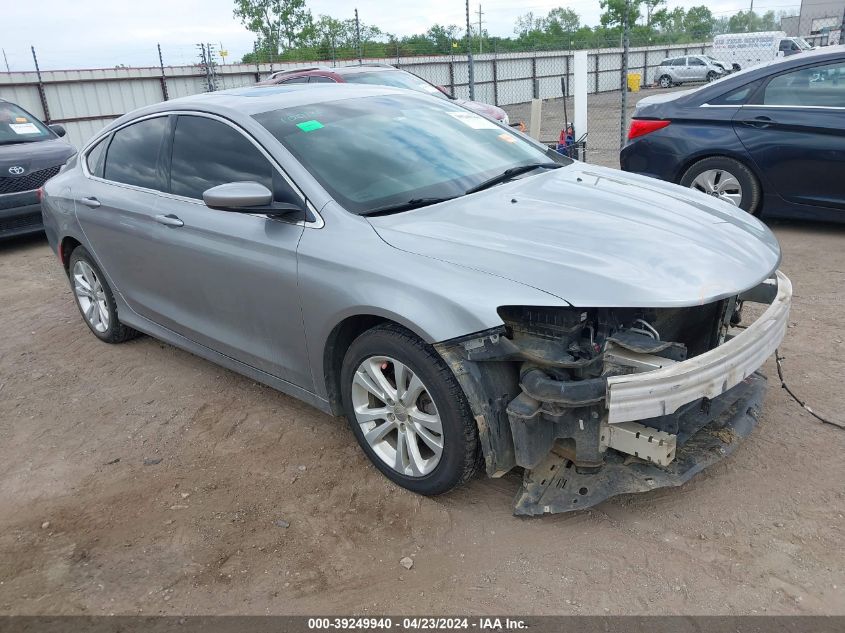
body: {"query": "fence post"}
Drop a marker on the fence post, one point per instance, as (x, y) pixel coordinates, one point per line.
(495, 76)
(471, 65)
(452, 77)
(623, 118)
(536, 122)
(535, 86)
(645, 67)
(163, 78)
(596, 63)
(565, 88)
(41, 93)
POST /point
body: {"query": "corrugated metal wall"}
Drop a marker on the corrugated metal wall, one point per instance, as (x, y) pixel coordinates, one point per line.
(86, 100)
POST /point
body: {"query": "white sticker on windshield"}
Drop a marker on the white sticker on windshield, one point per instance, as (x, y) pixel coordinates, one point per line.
(24, 128)
(474, 121)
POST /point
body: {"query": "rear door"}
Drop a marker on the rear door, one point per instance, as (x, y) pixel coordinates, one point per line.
(116, 204)
(794, 131)
(696, 69)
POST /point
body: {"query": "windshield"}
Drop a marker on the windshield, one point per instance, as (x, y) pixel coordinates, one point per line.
(373, 152)
(18, 126)
(396, 79)
(802, 43)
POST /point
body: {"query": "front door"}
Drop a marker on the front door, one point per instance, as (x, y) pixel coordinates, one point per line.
(227, 280)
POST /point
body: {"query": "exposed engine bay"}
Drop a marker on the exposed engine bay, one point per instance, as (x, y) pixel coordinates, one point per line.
(613, 399)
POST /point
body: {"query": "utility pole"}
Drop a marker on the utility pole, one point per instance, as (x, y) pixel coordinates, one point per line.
(480, 38)
(469, 58)
(6, 61)
(623, 122)
(358, 38)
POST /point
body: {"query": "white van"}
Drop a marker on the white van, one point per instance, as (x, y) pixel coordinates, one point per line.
(742, 50)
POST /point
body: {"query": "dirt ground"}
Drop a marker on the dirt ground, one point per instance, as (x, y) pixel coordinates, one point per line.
(91, 522)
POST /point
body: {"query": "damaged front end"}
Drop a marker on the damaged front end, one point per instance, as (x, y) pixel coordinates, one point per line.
(593, 403)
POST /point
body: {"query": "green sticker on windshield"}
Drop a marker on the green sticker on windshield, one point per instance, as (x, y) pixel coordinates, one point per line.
(309, 126)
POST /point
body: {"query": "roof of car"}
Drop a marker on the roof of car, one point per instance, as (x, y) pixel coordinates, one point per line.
(753, 73)
(250, 100)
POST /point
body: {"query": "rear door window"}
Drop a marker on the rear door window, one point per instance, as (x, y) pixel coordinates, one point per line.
(296, 80)
(821, 86)
(133, 156)
(207, 153)
(317, 79)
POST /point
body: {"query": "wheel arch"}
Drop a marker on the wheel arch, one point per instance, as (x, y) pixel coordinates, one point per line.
(67, 245)
(692, 160)
(338, 342)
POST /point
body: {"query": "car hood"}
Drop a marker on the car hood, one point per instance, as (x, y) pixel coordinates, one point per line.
(483, 108)
(34, 156)
(595, 237)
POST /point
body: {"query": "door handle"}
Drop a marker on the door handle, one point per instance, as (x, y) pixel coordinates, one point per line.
(90, 202)
(169, 220)
(760, 122)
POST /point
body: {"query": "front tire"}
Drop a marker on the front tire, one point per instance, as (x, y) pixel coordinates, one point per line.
(408, 411)
(711, 77)
(665, 81)
(95, 300)
(726, 179)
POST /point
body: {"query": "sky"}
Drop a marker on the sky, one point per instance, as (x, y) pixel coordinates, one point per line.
(98, 34)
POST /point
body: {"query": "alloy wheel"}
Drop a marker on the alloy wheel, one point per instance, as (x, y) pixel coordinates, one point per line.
(719, 184)
(91, 296)
(397, 416)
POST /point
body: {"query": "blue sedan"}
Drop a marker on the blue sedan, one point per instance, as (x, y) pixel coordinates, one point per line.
(770, 139)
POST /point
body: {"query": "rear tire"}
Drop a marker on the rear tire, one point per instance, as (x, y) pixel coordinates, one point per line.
(665, 81)
(727, 167)
(95, 300)
(430, 408)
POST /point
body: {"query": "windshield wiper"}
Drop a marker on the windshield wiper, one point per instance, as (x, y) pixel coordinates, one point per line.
(413, 203)
(511, 173)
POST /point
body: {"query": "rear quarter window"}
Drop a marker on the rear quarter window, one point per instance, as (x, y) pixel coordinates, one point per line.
(737, 96)
(94, 158)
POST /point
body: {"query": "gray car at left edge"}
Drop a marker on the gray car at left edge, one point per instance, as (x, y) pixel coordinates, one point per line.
(463, 295)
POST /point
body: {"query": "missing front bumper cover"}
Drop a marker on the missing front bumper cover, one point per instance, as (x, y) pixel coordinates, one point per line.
(555, 485)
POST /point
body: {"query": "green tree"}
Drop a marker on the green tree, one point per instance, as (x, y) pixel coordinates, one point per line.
(277, 23)
(651, 6)
(562, 20)
(528, 23)
(699, 22)
(614, 12)
(442, 37)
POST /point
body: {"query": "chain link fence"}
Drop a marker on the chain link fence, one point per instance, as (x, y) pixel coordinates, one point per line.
(623, 66)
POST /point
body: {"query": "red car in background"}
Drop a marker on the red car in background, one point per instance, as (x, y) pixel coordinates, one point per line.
(379, 75)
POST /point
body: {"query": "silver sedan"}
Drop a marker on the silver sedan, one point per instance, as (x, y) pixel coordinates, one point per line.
(463, 295)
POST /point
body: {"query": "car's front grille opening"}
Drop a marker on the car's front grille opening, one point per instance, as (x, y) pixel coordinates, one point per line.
(27, 182)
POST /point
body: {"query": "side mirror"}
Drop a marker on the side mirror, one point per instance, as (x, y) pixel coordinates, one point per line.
(59, 130)
(248, 197)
